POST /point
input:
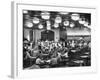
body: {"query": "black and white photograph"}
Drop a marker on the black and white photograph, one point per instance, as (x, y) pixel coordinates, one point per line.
(56, 39)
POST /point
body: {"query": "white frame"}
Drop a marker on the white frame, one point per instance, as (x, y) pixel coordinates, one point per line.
(17, 69)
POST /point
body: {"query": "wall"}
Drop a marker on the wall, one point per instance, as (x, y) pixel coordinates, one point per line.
(5, 34)
(37, 34)
(27, 34)
(78, 32)
(57, 34)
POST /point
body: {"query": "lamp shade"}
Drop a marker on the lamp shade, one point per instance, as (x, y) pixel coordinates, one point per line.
(82, 20)
(29, 24)
(45, 15)
(27, 16)
(75, 17)
(86, 24)
(25, 11)
(66, 23)
(40, 26)
(35, 20)
(56, 25)
(72, 25)
(58, 19)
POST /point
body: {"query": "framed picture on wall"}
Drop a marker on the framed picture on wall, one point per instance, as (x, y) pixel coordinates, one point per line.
(50, 40)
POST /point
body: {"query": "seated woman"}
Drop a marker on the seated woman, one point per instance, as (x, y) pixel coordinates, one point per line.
(39, 61)
(64, 57)
(28, 58)
(54, 59)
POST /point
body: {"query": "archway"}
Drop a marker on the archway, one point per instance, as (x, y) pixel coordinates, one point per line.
(47, 35)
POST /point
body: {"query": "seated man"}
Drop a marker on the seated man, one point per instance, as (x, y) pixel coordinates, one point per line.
(28, 59)
(53, 62)
(39, 61)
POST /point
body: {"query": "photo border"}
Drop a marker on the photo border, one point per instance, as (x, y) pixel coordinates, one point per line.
(17, 70)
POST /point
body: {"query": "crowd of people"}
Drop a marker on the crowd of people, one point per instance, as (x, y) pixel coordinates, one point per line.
(48, 54)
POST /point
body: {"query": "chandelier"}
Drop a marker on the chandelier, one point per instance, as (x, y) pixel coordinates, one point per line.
(58, 19)
(29, 24)
(56, 25)
(25, 11)
(45, 15)
(40, 26)
(66, 23)
(72, 24)
(35, 20)
(75, 17)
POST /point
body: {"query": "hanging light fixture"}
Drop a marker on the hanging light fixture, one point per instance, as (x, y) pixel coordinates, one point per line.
(82, 20)
(58, 19)
(89, 26)
(35, 20)
(75, 17)
(45, 15)
(27, 16)
(66, 23)
(29, 24)
(72, 24)
(40, 26)
(25, 11)
(86, 23)
(56, 25)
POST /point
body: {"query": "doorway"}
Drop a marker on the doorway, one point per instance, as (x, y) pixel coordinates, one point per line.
(47, 35)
